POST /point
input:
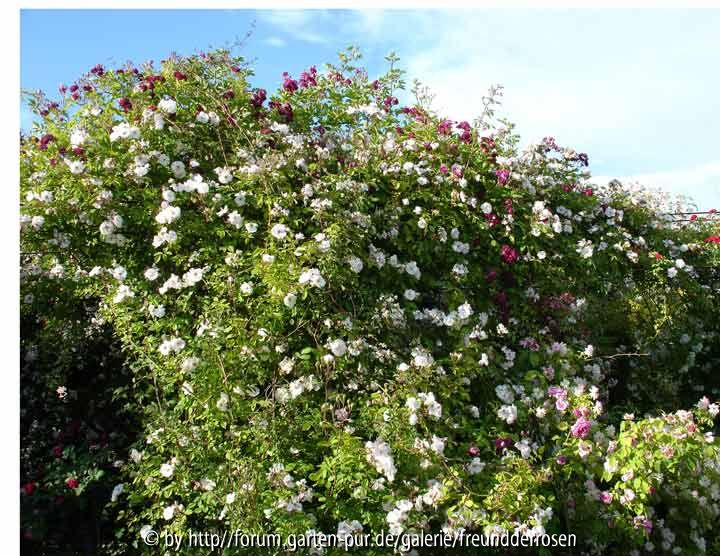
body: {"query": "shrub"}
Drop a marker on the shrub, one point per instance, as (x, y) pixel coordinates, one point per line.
(351, 316)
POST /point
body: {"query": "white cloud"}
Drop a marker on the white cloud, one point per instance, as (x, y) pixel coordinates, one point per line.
(298, 24)
(366, 28)
(562, 73)
(277, 42)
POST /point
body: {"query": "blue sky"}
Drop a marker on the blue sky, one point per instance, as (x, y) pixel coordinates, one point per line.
(636, 89)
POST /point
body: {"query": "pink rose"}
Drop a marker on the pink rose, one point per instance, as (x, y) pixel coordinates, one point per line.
(581, 428)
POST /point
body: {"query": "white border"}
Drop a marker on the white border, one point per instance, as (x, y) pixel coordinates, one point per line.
(9, 247)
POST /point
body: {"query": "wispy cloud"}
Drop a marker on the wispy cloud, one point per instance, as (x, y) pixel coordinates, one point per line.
(277, 42)
(299, 24)
(366, 28)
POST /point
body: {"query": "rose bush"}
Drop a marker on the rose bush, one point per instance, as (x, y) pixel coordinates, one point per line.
(346, 315)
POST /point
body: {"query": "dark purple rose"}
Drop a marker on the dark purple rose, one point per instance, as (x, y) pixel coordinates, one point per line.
(45, 140)
(308, 78)
(289, 84)
(503, 443)
(258, 98)
(125, 104)
(509, 254)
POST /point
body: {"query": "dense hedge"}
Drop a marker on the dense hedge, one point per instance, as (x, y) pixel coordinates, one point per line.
(324, 311)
